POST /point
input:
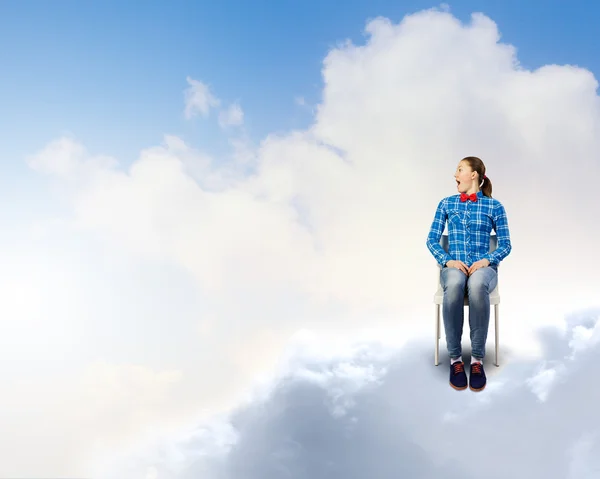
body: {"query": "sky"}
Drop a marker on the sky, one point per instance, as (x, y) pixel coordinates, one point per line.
(214, 222)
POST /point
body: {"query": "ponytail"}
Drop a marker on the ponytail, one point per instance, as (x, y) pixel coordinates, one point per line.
(486, 187)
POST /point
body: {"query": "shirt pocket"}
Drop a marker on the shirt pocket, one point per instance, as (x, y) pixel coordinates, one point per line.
(455, 218)
(482, 222)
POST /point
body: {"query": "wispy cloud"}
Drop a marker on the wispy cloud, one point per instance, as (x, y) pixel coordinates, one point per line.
(199, 99)
(233, 116)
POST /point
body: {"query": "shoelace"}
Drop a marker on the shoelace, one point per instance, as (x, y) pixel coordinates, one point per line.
(458, 367)
(476, 368)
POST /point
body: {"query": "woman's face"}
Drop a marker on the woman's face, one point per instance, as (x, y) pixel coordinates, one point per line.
(464, 177)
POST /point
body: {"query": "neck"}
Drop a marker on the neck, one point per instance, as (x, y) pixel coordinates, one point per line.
(472, 189)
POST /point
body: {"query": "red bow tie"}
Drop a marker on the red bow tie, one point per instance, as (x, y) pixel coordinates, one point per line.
(465, 197)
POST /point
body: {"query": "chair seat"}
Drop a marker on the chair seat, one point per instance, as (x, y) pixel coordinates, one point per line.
(494, 297)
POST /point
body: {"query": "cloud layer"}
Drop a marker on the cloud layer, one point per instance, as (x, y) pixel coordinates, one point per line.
(369, 409)
(214, 262)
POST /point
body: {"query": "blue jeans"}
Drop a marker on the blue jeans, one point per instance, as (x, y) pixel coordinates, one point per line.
(478, 287)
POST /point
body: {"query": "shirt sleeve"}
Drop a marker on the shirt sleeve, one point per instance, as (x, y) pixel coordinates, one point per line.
(435, 234)
(504, 246)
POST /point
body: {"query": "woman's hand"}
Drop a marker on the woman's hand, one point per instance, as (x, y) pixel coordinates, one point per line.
(458, 265)
(482, 263)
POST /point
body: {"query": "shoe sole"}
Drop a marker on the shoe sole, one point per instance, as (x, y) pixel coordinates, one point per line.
(477, 390)
(458, 388)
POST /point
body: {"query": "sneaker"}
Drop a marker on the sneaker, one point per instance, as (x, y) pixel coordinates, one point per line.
(458, 377)
(477, 378)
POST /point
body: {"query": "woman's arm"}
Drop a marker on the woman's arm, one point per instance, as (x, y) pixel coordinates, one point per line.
(435, 233)
(502, 233)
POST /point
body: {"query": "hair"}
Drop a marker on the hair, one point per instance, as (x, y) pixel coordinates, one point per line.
(477, 165)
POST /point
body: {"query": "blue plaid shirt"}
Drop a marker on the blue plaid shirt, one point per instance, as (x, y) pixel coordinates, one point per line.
(469, 227)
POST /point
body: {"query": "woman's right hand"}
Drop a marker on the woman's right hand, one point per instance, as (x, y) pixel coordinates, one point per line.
(458, 265)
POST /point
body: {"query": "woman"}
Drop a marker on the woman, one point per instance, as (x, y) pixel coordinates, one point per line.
(468, 265)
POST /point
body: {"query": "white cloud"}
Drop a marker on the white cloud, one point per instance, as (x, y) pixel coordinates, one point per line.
(326, 212)
(68, 159)
(541, 383)
(325, 229)
(105, 408)
(233, 116)
(404, 424)
(198, 99)
(584, 337)
(585, 463)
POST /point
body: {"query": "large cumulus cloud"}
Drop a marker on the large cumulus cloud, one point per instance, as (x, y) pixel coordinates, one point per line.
(339, 211)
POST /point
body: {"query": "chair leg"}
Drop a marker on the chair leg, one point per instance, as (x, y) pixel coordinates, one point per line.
(437, 334)
(496, 319)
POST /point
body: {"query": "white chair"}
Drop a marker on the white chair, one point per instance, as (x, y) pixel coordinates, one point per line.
(439, 298)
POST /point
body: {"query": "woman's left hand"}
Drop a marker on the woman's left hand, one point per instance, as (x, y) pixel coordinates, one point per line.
(482, 263)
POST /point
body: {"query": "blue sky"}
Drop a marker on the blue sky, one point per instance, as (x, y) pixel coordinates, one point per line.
(112, 73)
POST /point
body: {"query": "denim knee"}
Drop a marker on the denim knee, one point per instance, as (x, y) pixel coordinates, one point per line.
(482, 282)
(453, 281)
